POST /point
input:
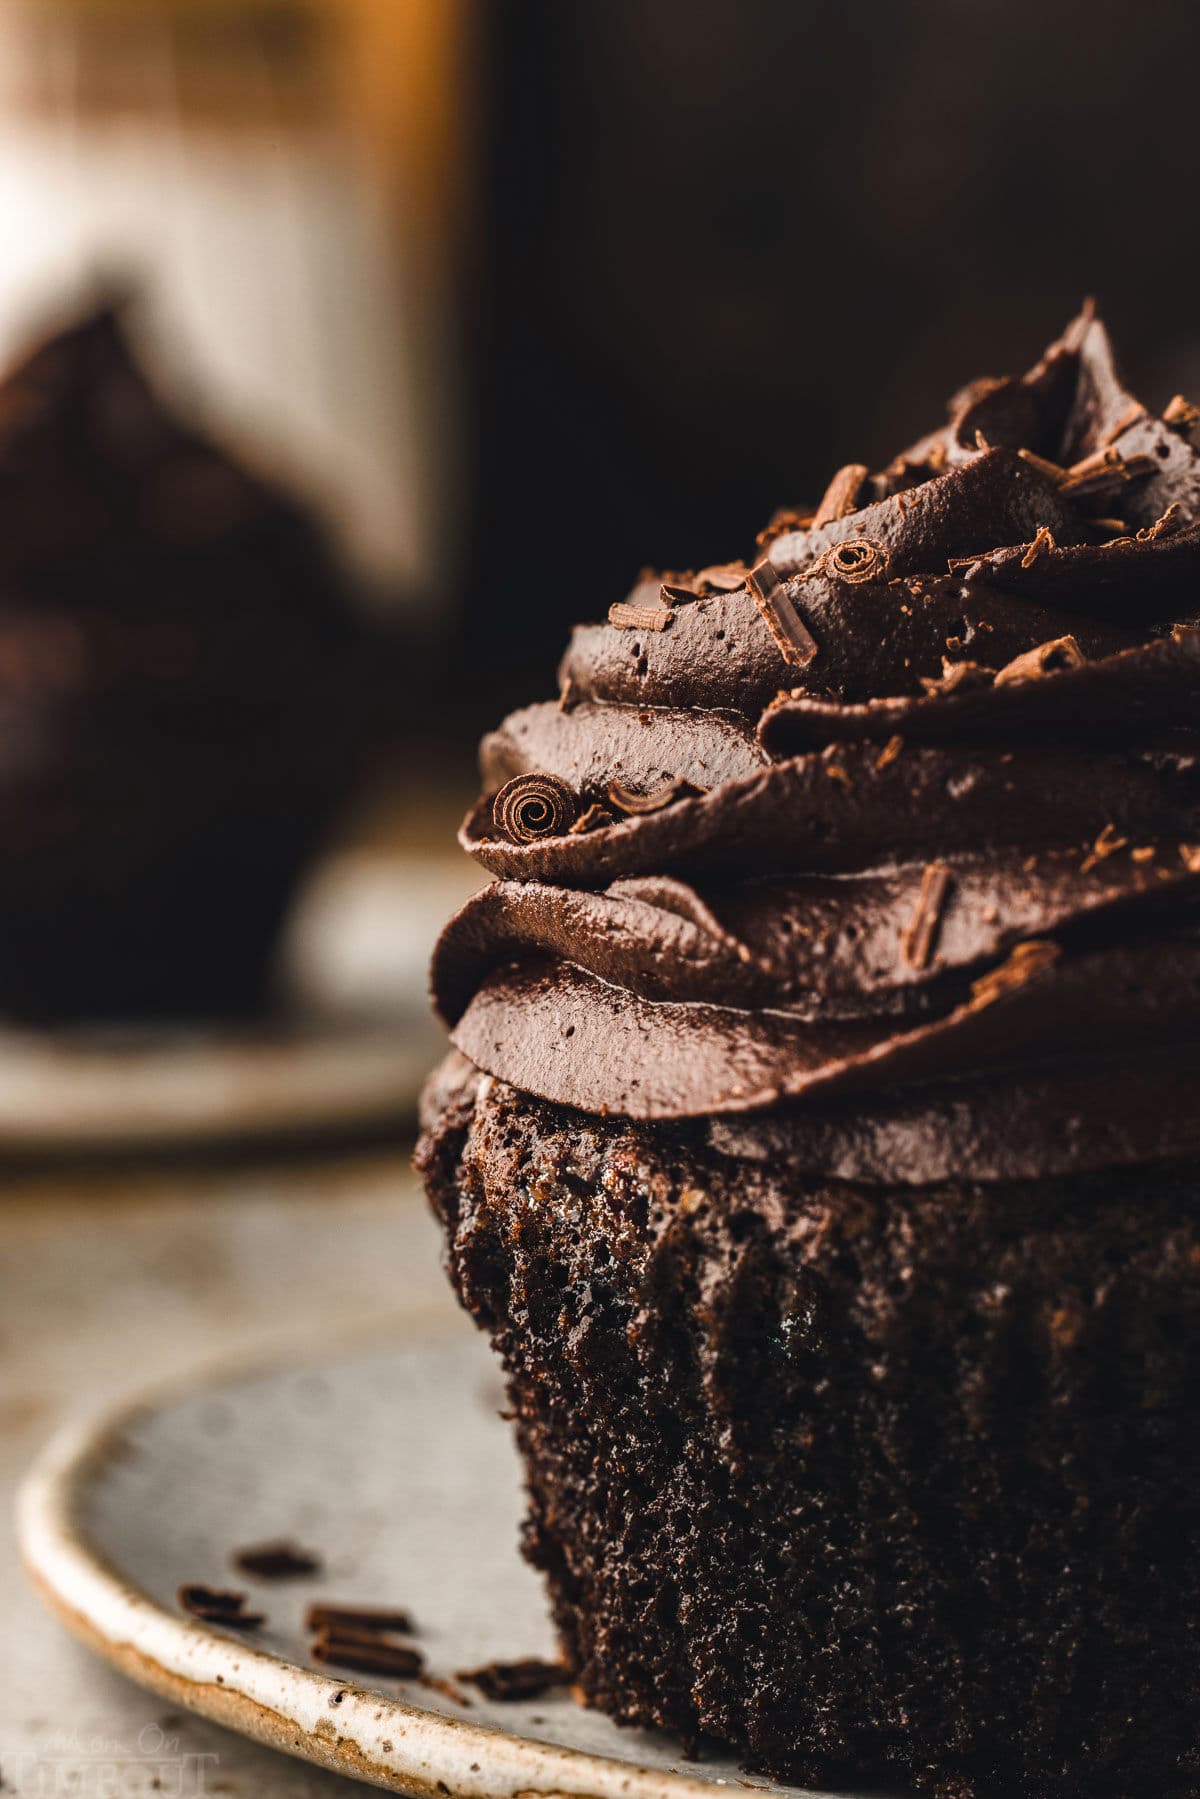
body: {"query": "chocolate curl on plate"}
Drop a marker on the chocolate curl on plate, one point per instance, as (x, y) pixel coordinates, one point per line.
(795, 641)
(533, 806)
(368, 1655)
(217, 1606)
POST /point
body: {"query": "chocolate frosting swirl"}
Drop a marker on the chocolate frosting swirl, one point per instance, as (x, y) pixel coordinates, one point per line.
(885, 849)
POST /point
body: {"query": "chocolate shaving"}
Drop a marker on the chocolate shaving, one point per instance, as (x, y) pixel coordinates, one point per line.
(1098, 471)
(1181, 414)
(276, 1561)
(674, 593)
(591, 820)
(723, 577)
(1053, 471)
(1043, 540)
(841, 496)
(1171, 521)
(369, 1655)
(637, 805)
(853, 560)
(922, 928)
(219, 1607)
(1027, 960)
(639, 618)
(1047, 659)
(780, 523)
(794, 640)
(888, 753)
(955, 675)
(323, 1616)
(1107, 844)
(533, 806)
(527, 1679)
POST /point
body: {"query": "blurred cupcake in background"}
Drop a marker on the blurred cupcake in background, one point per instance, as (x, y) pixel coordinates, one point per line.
(179, 725)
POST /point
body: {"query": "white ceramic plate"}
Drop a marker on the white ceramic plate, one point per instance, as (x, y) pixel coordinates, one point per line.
(392, 1464)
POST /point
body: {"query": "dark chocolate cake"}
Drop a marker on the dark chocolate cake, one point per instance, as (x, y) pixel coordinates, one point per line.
(176, 673)
(820, 1149)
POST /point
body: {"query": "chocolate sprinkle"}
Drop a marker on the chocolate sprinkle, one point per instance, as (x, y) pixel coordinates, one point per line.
(276, 1561)
(533, 806)
(526, 1679)
(349, 1618)
(795, 641)
(217, 1606)
(921, 931)
(369, 1656)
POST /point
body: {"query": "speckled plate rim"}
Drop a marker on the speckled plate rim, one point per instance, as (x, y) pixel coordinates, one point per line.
(369, 1736)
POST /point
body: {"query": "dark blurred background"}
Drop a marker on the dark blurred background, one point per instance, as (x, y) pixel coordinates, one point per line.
(722, 246)
(527, 293)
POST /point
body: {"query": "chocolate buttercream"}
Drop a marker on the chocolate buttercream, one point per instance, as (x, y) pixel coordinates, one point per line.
(904, 879)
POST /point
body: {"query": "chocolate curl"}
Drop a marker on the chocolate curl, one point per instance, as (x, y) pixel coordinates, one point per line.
(639, 805)
(638, 618)
(533, 806)
(855, 560)
(795, 641)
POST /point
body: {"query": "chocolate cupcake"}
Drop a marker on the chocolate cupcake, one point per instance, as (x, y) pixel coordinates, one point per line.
(820, 1148)
(176, 659)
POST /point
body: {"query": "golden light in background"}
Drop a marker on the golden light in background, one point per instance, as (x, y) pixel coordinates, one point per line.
(344, 110)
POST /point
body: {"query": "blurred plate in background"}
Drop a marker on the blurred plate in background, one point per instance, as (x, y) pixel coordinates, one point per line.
(348, 1049)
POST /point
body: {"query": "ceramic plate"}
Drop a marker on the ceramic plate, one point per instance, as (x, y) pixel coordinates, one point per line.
(392, 1465)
